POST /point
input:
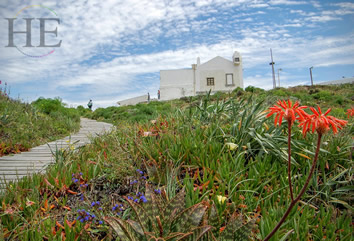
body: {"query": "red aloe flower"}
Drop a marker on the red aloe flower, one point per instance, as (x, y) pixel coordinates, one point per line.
(350, 112)
(288, 111)
(321, 123)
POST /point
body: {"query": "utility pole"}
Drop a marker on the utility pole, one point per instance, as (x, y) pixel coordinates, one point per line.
(279, 77)
(311, 75)
(272, 64)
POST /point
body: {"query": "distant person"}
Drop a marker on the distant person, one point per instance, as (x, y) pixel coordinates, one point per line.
(158, 94)
(90, 104)
(148, 96)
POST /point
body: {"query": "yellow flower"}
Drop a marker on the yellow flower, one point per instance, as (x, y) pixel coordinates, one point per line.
(221, 199)
(231, 146)
(72, 147)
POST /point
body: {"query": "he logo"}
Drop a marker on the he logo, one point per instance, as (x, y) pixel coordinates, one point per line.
(28, 33)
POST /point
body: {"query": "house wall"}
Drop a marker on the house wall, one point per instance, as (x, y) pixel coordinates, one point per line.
(133, 101)
(217, 68)
(175, 84)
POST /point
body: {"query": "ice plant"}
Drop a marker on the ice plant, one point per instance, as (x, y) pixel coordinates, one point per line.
(291, 113)
(321, 123)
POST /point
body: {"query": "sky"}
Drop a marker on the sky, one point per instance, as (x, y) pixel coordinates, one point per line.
(114, 49)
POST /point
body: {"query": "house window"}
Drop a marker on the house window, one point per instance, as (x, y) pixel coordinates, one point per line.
(210, 81)
(229, 79)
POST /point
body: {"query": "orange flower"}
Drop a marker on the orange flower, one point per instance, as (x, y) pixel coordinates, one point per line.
(288, 111)
(321, 123)
(350, 112)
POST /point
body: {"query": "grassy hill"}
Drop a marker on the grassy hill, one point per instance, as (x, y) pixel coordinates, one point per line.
(23, 125)
(219, 156)
(339, 98)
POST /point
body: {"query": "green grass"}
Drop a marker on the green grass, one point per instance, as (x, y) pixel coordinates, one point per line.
(186, 146)
(23, 125)
(139, 113)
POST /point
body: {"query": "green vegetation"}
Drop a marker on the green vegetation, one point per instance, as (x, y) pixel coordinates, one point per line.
(221, 150)
(340, 98)
(138, 113)
(23, 125)
(163, 219)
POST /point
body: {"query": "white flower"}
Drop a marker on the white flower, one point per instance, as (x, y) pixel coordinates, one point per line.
(221, 199)
(231, 146)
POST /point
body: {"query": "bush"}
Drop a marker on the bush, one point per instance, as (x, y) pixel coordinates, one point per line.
(280, 92)
(253, 89)
(48, 105)
(323, 95)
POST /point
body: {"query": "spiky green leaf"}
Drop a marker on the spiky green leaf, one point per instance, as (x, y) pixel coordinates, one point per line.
(175, 206)
(122, 229)
(189, 218)
(197, 233)
(142, 216)
(244, 232)
(154, 205)
(214, 220)
(236, 230)
(136, 226)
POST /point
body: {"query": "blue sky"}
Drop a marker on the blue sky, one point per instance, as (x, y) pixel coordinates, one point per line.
(112, 50)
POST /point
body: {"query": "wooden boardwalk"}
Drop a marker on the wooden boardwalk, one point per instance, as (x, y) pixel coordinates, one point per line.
(38, 158)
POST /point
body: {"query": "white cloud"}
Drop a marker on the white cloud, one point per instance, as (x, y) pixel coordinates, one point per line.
(345, 5)
(108, 48)
(287, 2)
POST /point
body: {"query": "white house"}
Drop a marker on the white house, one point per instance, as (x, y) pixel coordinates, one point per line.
(218, 74)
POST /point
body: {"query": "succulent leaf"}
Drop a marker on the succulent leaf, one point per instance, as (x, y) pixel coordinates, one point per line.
(136, 226)
(235, 228)
(214, 219)
(122, 229)
(189, 218)
(175, 206)
(197, 233)
(154, 204)
(142, 216)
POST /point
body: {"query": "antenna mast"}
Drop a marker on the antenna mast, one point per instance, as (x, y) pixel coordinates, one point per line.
(272, 64)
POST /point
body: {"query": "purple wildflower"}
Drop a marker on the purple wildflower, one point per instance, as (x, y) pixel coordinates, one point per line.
(115, 207)
(142, 198)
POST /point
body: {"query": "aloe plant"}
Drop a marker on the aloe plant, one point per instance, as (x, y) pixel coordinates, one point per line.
(235, 228)
(160, 219)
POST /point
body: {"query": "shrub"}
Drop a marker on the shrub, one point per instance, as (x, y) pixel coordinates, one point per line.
(253, 89)
(323, 95)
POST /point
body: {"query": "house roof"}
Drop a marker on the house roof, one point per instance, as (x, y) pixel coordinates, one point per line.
(215, 58)
(338, 82)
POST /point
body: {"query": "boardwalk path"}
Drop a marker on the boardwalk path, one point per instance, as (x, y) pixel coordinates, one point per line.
(38, 158)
